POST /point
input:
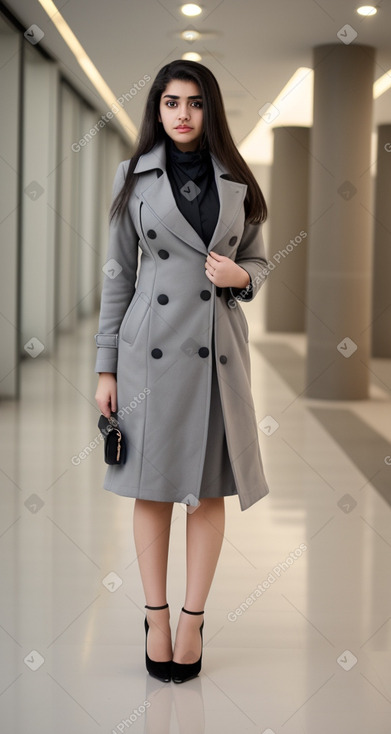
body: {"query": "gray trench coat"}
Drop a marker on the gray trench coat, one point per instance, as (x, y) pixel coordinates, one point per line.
(158, 314)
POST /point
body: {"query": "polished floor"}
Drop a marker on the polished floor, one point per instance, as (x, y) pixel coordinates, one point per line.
(298, 622)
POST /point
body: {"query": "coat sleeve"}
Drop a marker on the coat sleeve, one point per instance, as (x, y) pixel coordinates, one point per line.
(119, 281)
(251, 256)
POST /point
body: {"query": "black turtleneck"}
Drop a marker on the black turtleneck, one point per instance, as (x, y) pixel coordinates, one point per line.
(191, 175)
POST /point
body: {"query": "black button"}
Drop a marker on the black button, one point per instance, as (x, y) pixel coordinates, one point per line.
(218, 291)
(203, 351)
(151, 234)
(223, 359)
(162, 299)
(163, 254)
(205, 295)
(157, 353)
(233, 241)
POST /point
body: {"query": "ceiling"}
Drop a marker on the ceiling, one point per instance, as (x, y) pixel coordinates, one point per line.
(253, 47)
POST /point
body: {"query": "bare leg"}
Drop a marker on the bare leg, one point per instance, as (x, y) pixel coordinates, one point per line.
(205, 532)
(151, 526)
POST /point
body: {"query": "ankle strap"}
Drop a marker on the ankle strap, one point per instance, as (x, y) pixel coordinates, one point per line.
(156, 608)
(187, 611)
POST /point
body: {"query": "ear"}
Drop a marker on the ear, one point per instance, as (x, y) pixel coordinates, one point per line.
(158, 117)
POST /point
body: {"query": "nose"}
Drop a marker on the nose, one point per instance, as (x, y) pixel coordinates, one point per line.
(183, 113)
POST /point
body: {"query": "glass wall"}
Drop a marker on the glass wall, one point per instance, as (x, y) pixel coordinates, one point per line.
(54, 200)
(10, 185)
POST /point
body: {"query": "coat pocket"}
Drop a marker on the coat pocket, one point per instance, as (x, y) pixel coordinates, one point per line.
(134, 317)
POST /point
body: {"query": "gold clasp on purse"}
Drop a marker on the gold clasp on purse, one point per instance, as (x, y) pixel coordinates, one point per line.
(118, 444)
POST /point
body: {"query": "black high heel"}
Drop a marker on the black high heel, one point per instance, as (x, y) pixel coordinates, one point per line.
(181, 672)
(161, 671)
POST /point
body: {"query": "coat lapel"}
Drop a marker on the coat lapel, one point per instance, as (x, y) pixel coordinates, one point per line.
(158, 196)
(231, 195)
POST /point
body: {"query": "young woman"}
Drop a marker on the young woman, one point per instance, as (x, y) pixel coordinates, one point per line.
(173, 357)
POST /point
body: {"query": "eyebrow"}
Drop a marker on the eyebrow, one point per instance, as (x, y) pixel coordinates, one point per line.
(175, 96)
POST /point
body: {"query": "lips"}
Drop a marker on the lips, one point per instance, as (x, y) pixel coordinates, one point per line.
(183, 128)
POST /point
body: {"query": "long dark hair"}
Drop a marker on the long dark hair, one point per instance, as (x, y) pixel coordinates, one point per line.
(216, 135)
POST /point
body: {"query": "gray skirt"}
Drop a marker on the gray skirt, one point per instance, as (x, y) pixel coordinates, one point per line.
(217, 478)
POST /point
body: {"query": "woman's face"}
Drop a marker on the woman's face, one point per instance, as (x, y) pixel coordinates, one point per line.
(181, 113)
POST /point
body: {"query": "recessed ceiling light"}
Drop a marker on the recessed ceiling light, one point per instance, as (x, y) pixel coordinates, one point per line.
(190, 35)
(191, 9)
(367, 10)
(191, 56)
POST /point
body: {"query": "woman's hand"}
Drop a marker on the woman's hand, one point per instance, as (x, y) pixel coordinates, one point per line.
(224, 272)
(106, 393)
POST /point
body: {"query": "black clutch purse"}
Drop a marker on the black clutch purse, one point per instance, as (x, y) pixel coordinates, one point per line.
(114, 445)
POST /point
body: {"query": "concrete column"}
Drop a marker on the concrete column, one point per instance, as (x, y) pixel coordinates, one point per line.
(381, 329)
(340, 252)
(287, 251)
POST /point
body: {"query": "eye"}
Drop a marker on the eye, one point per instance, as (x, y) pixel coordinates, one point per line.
(197, 104)
(171, 103)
